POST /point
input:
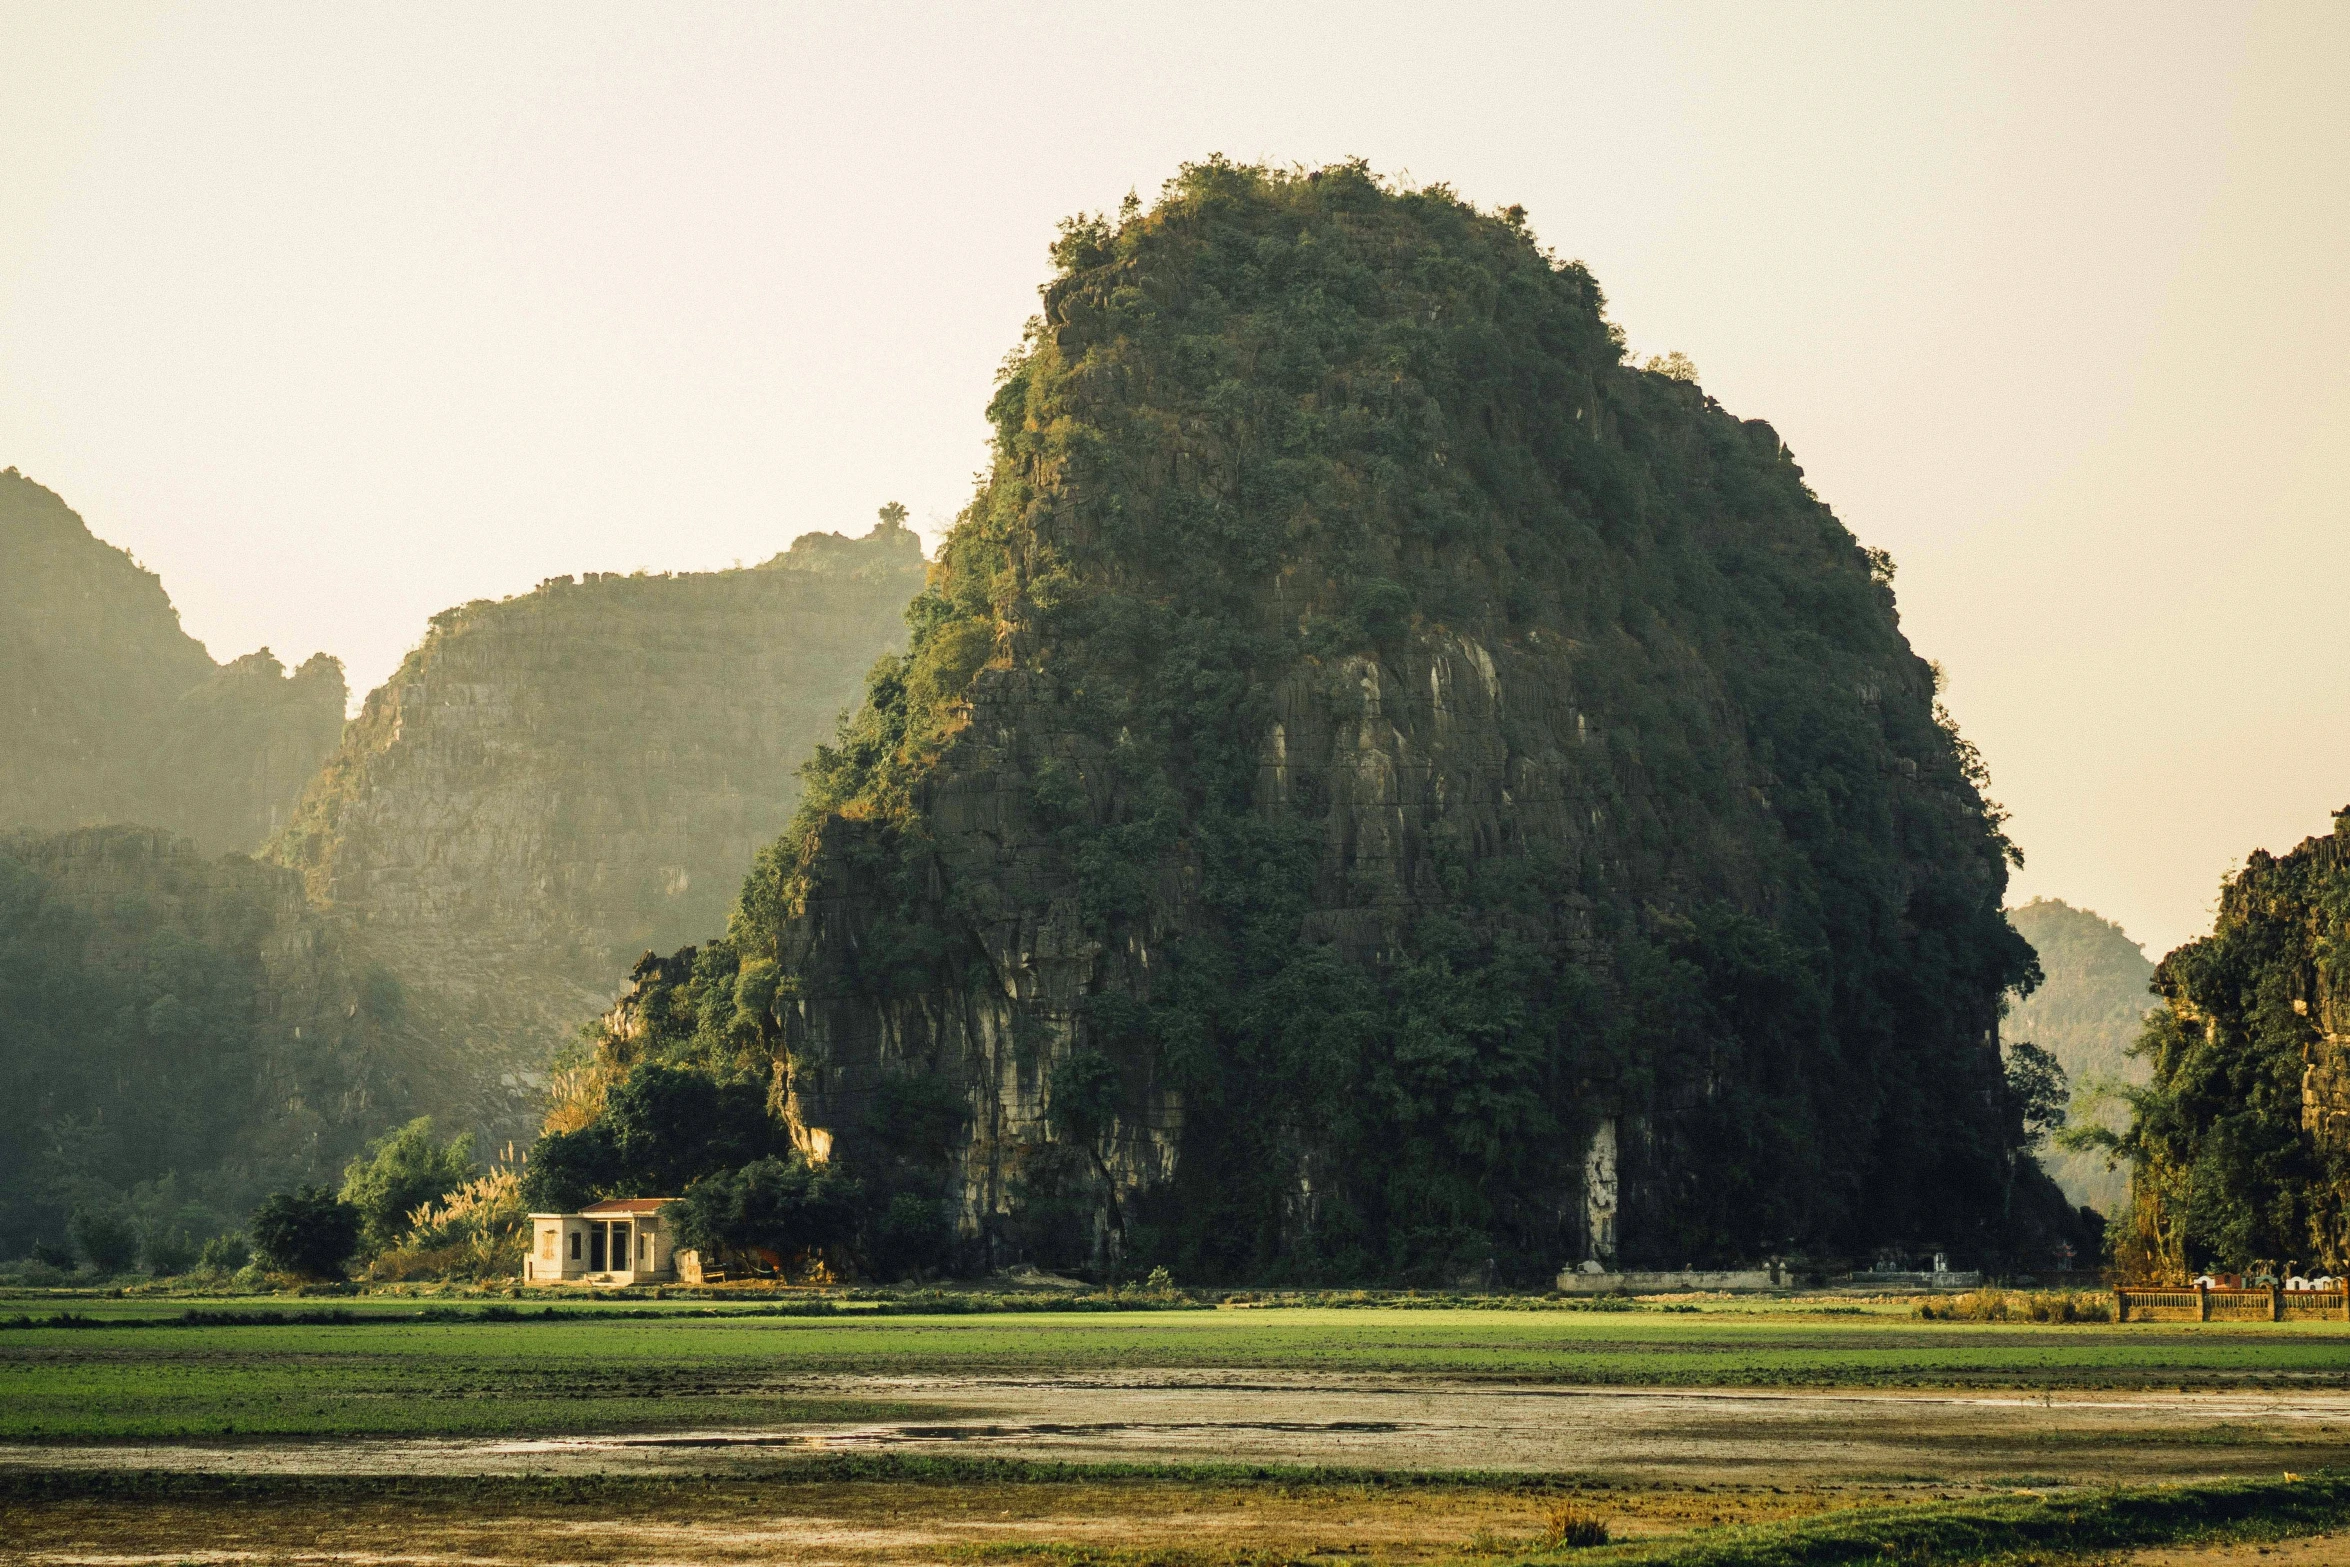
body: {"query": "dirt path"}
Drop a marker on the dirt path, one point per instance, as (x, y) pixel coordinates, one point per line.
(1405, 1423)
(2320, 1550)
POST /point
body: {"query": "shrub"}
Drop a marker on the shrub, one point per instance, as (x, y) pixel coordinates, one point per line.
(36, 1274)
(309, 1231)
(225, 1253)
(106, 1240)
(401, 1171)
(167, 1251)
(1997, 1305)
(476, 1231)
(1568, 1525)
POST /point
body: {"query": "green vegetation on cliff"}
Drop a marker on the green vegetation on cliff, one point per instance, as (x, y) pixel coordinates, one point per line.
(110, 713)
(1378, 784)
(2239, 1145)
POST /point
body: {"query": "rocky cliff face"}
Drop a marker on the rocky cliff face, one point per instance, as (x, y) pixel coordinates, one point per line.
(175, 1014)
(1368, 758)
(551, 784)
(111, 713)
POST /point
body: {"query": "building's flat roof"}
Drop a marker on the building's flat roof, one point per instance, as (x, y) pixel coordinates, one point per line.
(610, 1207)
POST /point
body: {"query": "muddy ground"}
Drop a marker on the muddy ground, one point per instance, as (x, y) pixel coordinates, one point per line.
(1652, 1462)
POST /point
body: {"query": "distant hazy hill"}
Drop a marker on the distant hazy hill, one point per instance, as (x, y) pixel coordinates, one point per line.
(109, 712)
(172, 1015)
(552, 784)
(2088, 1012)
(548, 786)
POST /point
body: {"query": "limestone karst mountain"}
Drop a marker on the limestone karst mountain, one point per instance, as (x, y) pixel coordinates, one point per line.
(1379, 788)
(551, 784)
(109, 712)
(2089, 1009)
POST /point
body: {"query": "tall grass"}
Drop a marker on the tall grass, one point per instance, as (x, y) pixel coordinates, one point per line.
(1998, 1305)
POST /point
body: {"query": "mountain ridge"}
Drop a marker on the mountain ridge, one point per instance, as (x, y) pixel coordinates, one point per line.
(113, 713)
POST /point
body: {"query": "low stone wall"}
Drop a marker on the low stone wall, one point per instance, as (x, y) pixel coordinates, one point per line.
(1571, 1282)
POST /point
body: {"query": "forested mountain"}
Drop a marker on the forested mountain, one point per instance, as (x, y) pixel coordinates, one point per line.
(553, 783)
(178, 1033)
(2240, 1144)
(1380, 788)
(109, 712)
(2088, 1011)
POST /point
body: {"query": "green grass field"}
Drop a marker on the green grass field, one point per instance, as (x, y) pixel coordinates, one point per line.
(243, 1385)
(144, 1375)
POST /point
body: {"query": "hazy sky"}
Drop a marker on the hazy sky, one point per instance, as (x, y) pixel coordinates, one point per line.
(337, 316)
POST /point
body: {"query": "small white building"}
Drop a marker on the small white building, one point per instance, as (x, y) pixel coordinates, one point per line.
(618, 1241)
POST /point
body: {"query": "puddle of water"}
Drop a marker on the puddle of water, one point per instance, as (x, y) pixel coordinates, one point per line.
(886, 1436)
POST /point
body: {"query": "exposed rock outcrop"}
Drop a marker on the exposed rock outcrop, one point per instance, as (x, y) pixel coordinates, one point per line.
(553, 783)
(111, 713)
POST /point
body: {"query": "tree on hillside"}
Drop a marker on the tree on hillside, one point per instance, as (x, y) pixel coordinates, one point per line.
(2037, 1084)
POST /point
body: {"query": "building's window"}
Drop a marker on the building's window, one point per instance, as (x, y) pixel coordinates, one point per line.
(546, 1245)
(575, 1245)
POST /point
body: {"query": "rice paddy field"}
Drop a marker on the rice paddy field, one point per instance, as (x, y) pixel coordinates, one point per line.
(1796, 1430)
